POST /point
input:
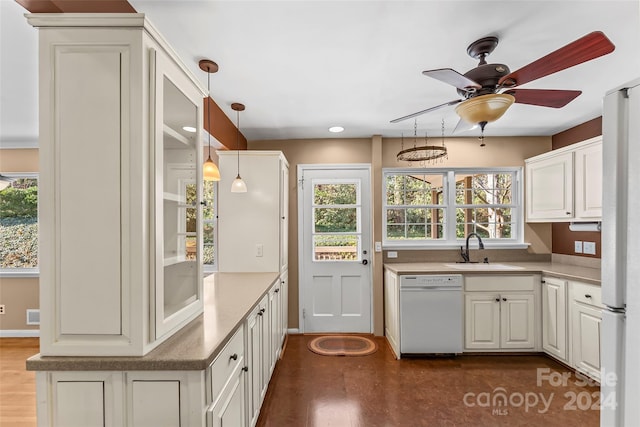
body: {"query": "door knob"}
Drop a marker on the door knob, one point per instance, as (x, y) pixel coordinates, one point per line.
(365, 262)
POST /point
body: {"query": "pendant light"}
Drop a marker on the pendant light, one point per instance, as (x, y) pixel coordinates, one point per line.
(238, 185)
(210, 171)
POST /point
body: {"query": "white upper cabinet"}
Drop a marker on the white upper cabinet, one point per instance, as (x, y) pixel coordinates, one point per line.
(252, 226)
(120, 247)
(565, 184)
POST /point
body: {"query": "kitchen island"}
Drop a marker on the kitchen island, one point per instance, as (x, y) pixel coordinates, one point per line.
(193, 379)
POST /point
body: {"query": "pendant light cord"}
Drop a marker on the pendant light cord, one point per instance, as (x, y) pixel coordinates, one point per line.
(209, 110)
(238, 138)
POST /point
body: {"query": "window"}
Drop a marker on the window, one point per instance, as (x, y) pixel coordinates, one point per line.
(336, 220)
(440, 207)
(19, 223)
(209, 226)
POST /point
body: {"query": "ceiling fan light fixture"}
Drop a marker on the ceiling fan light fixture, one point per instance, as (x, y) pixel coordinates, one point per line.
(485, 108)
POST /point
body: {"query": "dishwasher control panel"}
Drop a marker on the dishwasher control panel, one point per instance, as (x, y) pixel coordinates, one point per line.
(430, 280)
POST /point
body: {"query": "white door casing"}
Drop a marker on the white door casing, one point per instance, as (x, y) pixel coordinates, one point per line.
(334, 229)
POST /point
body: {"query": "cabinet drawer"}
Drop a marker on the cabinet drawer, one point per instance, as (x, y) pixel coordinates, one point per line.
(223, 366)
(586, 294)
(501, 283)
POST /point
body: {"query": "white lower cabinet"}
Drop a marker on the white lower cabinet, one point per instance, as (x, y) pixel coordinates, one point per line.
(586, 316)
(554, 317)
(500, 312)
(392, 311)
(105, 398)
(230, 408)
(256, 339)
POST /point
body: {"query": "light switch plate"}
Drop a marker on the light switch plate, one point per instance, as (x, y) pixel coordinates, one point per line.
(259, 249)
(590, 248)
(378, 246)
(578, 247)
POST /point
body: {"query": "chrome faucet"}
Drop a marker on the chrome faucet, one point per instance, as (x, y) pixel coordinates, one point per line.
(465, 253)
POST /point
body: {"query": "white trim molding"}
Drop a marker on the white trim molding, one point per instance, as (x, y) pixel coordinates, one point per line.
(19, 333)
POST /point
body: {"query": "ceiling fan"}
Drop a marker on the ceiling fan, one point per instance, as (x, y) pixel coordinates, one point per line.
(488, 90)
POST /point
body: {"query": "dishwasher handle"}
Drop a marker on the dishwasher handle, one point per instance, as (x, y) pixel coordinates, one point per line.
(429, 288)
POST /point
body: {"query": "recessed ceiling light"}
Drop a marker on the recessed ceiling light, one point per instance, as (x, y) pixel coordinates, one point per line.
(189, 129)
(336, 129)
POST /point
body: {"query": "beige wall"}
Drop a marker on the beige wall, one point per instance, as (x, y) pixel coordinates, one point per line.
(381, 153)
(18, 294)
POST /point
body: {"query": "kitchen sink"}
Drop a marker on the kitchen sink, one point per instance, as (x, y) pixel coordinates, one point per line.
(483, 266)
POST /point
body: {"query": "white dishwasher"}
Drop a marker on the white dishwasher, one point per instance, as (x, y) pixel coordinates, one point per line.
(431, 314)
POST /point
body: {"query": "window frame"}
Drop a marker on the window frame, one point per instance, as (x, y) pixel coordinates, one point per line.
(450, 240)
(22, 271)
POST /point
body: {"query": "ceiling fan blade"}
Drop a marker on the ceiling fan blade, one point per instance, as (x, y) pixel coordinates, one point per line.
(544, 97)
(453, 78)
(586, 48)
(446, 104)
(463, 126)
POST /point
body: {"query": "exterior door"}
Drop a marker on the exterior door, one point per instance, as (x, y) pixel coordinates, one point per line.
(335, 250)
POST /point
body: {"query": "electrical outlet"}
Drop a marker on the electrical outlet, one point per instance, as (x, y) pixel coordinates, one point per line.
(578, 247)
(392, 254)
(1, 308)
(259, 248)
(590, 248)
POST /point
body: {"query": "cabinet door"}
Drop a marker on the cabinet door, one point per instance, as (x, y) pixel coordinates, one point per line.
(254, 362)
(79, 403)
(284, 215)
(391, 311)
(229, 410)
(177, 189)
(266, 345)
(284, 305)
(517, 321)
(549, 187)
(588, 172)
(482, 321)
(585, 329)
(155, 403)
(554, 317)
(276, 325)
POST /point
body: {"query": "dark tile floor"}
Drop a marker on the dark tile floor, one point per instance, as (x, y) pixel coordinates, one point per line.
(312, 390)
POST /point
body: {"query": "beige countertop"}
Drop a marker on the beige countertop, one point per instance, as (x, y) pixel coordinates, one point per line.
(564, 271)
(228, 299)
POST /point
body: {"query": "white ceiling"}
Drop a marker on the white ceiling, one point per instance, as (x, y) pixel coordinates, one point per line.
(303, 66)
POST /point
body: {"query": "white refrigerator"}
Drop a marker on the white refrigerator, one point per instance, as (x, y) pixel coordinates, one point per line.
(620, 344)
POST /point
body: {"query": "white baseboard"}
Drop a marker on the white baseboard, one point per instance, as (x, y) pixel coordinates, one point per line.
(19, 333)
(293, 331)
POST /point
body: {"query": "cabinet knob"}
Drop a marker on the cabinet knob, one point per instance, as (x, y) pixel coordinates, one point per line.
(234, 356)
(259, 313)
(497, 299)
(568, 213)
(504, 299)
(277, 290)
(587, 296)
(262, 310)
(245, 368)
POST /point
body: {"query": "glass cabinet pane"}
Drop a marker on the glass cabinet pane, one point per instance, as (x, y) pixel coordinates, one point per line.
(180, 194)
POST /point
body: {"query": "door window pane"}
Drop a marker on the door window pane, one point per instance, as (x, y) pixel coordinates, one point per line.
(334, 194)
(336, 220)
(327, 247)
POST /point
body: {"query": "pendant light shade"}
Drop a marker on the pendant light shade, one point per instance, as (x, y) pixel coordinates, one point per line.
(238, 185)
(210, 171)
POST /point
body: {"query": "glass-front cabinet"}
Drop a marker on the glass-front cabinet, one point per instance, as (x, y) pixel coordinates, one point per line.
(120, 225)
(178, 189)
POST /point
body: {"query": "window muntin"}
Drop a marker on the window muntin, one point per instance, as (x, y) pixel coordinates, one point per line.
(19, 224)
(484, 204)
(336, 224)
(414, 206)
(440, 207)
